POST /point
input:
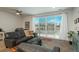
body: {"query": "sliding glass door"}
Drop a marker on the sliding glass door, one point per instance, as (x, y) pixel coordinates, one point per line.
(48, 26)
(53, 26)
(42, 25)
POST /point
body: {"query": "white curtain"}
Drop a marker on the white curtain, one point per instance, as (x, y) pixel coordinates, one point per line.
(63, 28)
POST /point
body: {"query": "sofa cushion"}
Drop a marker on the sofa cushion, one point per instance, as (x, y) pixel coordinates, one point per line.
(20, 32)
(11, 35)
(34, 48)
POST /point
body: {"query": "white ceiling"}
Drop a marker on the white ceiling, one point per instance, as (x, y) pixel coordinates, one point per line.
(37, 10)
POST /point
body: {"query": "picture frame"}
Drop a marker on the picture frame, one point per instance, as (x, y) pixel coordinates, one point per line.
(27, 25)
(76, 21)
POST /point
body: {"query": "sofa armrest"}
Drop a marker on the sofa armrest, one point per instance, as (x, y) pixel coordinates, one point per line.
(10, 43)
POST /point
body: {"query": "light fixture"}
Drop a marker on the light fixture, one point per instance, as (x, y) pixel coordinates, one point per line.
(18, 12)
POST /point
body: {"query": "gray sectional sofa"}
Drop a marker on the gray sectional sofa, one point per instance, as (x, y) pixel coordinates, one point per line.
(12, 39)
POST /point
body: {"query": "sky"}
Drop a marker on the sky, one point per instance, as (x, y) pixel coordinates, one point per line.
(49, 19)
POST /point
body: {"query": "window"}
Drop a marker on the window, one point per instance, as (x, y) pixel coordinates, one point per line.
(47, 26)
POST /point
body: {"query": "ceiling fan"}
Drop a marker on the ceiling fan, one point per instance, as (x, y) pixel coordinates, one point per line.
(18, 12)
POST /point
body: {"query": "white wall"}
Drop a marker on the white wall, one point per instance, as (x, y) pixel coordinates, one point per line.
(8, 22)
(75, 16)
(72, 15)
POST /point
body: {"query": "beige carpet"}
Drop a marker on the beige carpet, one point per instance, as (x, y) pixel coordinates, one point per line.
(64, 45)
(50, 43)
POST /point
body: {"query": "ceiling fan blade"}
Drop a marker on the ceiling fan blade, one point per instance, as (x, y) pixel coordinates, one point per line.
(18, 12)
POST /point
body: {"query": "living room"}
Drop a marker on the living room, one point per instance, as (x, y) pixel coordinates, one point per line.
(45, 29)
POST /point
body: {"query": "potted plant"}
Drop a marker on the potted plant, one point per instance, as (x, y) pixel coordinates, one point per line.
(70, 36)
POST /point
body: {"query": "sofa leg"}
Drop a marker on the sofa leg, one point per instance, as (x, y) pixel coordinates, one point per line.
(40, 43)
